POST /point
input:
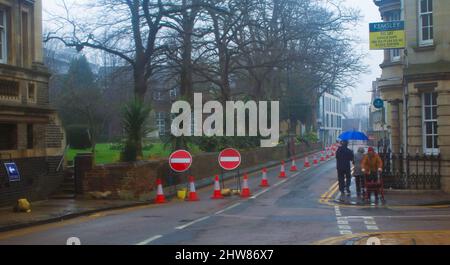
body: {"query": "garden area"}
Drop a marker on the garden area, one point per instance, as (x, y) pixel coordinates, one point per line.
(106, 153)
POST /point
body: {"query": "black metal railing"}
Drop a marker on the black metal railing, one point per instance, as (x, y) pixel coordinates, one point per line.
(416, 172)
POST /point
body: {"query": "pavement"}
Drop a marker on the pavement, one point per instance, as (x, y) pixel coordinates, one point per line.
(297, 210)
(392, 238)
(57, 210)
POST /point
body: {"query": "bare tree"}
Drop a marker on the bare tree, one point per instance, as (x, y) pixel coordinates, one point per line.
(127, 29)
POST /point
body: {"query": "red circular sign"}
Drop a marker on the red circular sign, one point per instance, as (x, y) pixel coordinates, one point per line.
(180, 161)
(230, 159)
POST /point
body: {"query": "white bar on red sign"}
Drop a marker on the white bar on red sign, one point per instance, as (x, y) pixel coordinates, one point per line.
(229, 159)
(180, 160)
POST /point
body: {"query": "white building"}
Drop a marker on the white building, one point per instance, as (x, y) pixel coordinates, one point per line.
(329, 118)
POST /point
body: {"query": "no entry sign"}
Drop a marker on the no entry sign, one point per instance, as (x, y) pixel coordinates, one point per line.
(229, 159)
(180, 161)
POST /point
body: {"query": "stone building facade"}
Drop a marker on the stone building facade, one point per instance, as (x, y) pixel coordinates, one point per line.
(415, 81)
(31, 134)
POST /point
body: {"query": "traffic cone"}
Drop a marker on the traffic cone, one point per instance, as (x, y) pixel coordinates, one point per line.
(192, 192)
(283, 171)
(307, 164)
(315, 161)
(328, 156)
(245, 189)
(217, 195)
(264, 181)
(160, 198)
(322, 157)
(294, 166)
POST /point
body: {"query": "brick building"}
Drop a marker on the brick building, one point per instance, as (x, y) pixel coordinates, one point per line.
(415, 81)
(30, 131)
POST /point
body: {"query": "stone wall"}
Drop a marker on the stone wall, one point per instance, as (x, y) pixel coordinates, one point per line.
(137, 180)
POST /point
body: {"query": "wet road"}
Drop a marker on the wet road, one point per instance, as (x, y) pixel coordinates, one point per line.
(296, 210)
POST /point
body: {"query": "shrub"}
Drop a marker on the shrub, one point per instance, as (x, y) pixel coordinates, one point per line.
(129, 153)
(135, 116)
(78, 136)
(310, 137)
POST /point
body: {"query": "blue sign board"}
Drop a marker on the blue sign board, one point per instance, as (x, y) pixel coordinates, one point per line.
(387, 26)
(13, 172)
(378, 103)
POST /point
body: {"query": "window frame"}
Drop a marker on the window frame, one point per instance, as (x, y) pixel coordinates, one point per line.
(34, 87)
(161, 123)
(4, 37)
(173, 94)
(394, 54)
(422, 42)
(435, 135)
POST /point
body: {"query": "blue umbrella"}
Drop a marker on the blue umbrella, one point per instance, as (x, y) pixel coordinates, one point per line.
(353, 135)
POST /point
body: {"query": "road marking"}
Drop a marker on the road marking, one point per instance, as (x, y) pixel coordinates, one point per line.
(259, 193)
(401, 216)
(343, 224)
(151, 239)
(279, 183)
(372, 227)
(228, 208)
(327, 195)
(192, 223)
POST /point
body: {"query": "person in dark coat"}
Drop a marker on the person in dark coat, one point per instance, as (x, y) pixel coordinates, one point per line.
(344, 158)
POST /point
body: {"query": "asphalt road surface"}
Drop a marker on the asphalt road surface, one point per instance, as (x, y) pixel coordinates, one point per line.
(296, 210)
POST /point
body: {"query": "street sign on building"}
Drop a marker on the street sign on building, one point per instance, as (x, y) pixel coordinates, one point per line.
(230, 159)
(387, 35)
(180, 161)
(378, 103)
(13, 172)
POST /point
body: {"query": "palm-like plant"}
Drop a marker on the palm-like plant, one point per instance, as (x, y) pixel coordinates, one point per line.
(135, 116)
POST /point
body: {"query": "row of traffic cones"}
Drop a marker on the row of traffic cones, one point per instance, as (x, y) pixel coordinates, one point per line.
(217, 194)
(245, 193)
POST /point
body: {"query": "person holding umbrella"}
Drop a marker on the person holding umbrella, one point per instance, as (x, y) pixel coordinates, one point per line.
(344, 156)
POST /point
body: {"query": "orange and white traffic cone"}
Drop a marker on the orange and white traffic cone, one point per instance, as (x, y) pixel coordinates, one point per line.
(307, 164)
(160, 198)
(282, 171)
(245, 189)
(192, 192)
(217, 195)
(315, 161)
(264, 181)
(322, 157)
(294, 166)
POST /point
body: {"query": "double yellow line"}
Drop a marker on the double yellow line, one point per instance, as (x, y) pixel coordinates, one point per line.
(327, 196)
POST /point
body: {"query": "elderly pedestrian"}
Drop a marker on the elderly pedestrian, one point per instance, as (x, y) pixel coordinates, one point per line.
(357, 170)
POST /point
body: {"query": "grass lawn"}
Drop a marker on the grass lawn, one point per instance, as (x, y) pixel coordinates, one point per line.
(104, 154)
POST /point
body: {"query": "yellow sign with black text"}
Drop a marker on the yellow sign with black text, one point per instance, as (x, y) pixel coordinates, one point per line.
(387, 35)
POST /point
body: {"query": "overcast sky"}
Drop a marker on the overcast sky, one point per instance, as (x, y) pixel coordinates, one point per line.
(370, 12)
